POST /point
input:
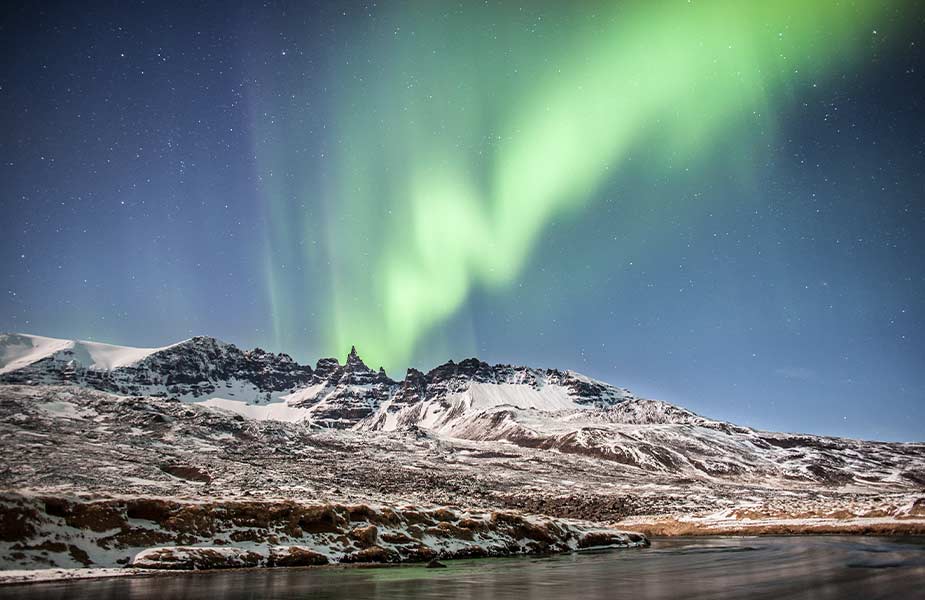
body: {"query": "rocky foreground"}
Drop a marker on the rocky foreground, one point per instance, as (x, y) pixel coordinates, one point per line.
(156, 533)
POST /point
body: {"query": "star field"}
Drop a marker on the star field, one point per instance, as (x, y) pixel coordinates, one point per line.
(728, 218)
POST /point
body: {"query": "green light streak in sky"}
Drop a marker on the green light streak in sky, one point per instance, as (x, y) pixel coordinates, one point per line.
(461, 137)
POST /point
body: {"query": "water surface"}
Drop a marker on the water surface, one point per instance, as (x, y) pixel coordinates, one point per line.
(817, 567)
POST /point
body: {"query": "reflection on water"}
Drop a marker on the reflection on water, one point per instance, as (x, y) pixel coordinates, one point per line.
(723, 567)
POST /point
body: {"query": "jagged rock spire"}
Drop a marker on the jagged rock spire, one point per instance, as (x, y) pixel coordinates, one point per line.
(355, 364)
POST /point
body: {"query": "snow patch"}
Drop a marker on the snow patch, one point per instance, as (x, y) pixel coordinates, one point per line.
(275, 411)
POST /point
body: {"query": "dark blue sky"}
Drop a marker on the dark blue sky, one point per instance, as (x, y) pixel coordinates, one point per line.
(776, 282)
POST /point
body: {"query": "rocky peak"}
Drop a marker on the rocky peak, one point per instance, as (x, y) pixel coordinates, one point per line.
(451, 376)
(202, 361)
(355, 364)
(413, 387)
(198, 358)
(203, 342)
(326, 368)
(382, 377)
(355, 372)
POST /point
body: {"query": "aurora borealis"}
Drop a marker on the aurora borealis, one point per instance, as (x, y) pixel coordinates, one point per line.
(718, 203)
(426, 209)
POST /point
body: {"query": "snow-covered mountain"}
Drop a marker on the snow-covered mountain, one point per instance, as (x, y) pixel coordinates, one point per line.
(262, 385)
(544, 409)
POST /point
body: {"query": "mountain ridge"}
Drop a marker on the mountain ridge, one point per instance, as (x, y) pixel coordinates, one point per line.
(543, 409)
(197, 368)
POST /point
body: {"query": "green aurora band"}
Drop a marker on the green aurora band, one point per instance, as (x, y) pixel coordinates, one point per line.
(459, 137)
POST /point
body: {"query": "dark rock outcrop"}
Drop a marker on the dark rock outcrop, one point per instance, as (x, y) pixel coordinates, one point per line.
(188, 535)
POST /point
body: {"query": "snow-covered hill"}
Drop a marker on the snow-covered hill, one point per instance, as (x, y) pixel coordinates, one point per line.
(193, 370)
(19, 351)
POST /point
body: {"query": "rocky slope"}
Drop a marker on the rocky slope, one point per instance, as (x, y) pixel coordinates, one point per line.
(67, 440)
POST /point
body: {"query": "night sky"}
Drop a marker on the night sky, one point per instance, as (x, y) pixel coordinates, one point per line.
(717, 204)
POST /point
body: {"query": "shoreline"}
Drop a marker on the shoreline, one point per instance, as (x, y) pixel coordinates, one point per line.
(23, 577)
(871, 527)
